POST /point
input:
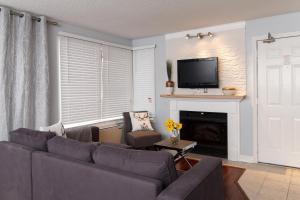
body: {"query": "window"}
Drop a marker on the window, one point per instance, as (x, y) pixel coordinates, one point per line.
(95, 81)
(144, 79)
(117, 82)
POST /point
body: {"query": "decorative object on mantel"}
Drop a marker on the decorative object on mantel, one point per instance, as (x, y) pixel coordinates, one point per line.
(169, 84)
(229, 91)
(173, 128)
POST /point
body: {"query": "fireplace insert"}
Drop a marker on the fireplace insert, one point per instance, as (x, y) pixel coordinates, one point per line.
(208, 129)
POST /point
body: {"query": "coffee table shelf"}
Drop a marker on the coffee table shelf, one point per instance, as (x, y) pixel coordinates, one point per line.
(182, 148)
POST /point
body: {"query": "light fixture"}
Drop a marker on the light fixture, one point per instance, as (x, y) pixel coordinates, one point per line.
(187, 36)
(199, 36)
(209, 34)
(270, 39)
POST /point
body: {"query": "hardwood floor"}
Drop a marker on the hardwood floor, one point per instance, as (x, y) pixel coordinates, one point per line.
(231, 175)
(233, 190)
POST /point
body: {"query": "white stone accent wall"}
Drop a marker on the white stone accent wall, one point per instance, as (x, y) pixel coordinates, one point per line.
(228, 46)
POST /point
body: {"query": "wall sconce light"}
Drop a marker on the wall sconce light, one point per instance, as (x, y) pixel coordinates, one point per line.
(187, 36)
(199, 36)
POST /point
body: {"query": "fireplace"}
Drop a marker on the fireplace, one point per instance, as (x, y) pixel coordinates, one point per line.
(208, 129)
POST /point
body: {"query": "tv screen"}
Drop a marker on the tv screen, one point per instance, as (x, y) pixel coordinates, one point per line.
(198, 73)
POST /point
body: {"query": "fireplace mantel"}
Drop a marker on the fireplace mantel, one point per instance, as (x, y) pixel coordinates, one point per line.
(212, 103)
(216, 97)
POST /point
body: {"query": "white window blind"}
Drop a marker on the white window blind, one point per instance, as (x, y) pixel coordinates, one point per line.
(117, 82)
(95, 81)
(144, 79)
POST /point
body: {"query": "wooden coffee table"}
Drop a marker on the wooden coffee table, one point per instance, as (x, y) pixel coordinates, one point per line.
(182, 148)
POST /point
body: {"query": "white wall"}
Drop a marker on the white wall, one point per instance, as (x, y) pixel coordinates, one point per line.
(276, 24)
(53, 32)
(162, 105)
(228, 46)
(258, 27)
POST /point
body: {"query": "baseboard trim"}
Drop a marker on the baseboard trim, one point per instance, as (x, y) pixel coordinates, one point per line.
(246, 158)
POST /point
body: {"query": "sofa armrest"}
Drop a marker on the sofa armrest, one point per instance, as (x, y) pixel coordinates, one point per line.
(84, 133)
(15, 171)
(204, 181)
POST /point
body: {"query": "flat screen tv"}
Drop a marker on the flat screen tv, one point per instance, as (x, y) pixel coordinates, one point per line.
(198, 73)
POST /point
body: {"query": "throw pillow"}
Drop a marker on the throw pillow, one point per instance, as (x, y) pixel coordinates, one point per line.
(140, 121)
(56, 128)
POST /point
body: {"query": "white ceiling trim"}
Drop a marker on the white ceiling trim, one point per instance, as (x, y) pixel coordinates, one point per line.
(93, 40)
(213, 29)
(144, 47)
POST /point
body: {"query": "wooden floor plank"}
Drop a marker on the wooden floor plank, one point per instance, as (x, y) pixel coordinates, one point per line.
(231, 175)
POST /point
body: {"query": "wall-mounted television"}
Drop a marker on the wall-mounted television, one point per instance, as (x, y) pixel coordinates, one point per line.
(198, 73)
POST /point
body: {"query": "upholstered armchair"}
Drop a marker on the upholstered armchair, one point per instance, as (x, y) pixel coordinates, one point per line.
(138, 139)
(83, 134)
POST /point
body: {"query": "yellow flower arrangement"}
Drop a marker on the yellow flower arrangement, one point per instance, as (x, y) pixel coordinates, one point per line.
(172, 126)
(169, 125)
(178, 126)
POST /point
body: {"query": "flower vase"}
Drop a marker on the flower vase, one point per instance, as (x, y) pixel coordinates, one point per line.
(175, 137)
(170, 87)
(170, 91)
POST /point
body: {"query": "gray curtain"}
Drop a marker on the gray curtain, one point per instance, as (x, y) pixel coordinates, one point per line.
(24, 72)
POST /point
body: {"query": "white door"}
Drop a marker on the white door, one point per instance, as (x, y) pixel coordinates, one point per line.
(279, 102)
(144, 80)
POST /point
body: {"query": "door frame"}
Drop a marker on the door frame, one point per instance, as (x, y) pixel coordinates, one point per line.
(254, 87)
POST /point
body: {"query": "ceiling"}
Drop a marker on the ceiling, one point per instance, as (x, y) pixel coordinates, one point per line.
(141, 18)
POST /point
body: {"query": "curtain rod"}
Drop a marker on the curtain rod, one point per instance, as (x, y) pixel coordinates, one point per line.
(12, 12)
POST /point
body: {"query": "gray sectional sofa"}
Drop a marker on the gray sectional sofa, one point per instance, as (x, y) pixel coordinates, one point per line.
(38, 165)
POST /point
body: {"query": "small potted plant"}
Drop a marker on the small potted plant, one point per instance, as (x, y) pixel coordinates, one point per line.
(169, 84)
(173, 128)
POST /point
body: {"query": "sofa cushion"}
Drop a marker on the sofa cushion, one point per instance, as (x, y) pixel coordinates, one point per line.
(57, 177)
(31, 138)
(71, 148)
(123, 146)
(153, 164)
(142, 138)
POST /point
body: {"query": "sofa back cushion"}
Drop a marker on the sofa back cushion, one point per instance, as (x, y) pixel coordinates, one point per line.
(123, 146)
(31, 138)
(71, 148)
(57, 177)
(158, 165)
